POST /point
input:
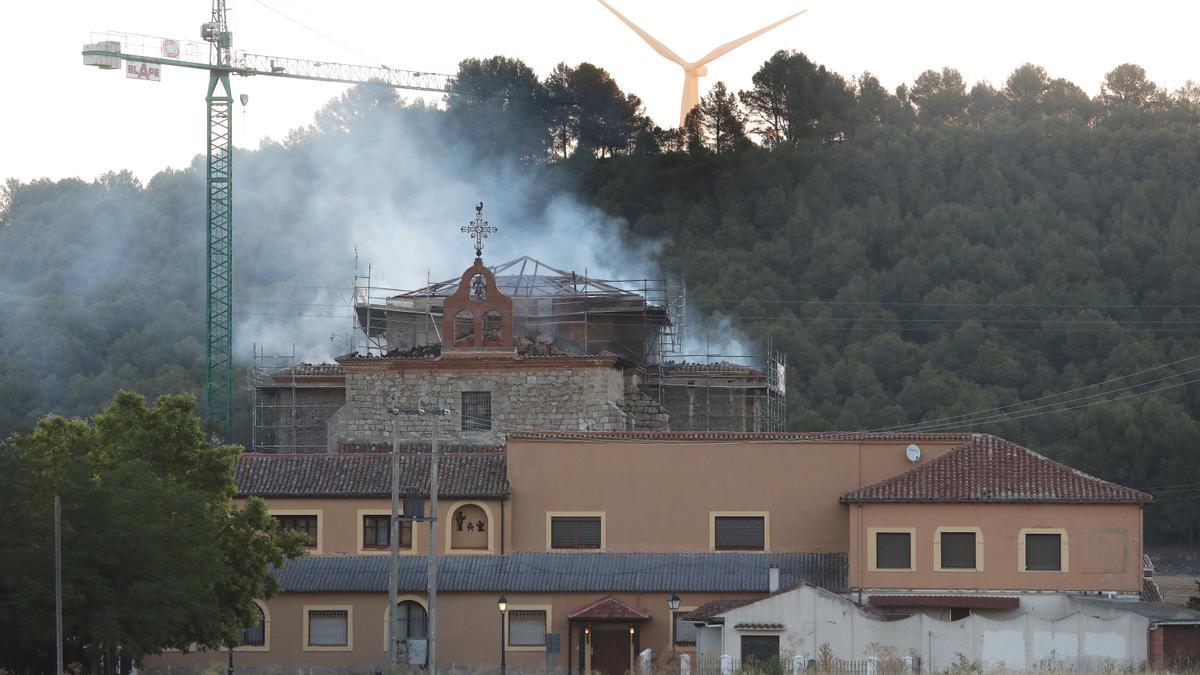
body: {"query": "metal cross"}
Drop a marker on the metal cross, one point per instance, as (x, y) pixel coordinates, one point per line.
(479, 229)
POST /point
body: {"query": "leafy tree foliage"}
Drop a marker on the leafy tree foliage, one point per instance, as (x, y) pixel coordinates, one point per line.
(155, 555)
(920, 254)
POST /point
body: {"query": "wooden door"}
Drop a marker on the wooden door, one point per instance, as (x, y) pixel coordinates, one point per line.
(610, 651)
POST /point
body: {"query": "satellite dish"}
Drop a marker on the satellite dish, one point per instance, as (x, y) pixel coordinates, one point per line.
(913, 452)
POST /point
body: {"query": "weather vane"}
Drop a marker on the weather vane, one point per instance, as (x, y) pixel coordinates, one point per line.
(478, 229)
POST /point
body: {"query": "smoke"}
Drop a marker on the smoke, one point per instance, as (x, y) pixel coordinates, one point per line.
(393, 185)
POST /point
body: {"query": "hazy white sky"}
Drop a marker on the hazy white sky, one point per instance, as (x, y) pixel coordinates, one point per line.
(61, 119)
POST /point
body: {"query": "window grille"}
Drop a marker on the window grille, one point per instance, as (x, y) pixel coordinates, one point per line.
(477, 411)
(526, 627)
(747, 533)
(377, 532)
(575, 531)
(893, 550)
(411, 619)
(1043, 552)
(685, 631)
(305, 523)
(256, 635)
(328, 628)
(958, 550)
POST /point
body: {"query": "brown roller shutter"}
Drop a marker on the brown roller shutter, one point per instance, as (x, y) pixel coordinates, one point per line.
(1043, 552)
(893, 550)
(575, 532)
(740, 532)
(958, 550)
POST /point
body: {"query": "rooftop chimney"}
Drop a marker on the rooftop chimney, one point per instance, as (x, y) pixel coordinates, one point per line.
(773, 579)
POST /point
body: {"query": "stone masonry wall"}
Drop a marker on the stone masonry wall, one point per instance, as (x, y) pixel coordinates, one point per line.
(551, 398)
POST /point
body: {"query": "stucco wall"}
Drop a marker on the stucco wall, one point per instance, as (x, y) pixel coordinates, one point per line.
(468, 630)
(812, 617)
(340, 524)
(668, 489)
(1103, 546)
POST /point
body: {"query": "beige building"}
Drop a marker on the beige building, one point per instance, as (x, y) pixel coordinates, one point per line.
(589, 534)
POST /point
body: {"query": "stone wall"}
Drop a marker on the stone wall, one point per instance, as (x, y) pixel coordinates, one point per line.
(295, 419)
(695, 407)
(575, 398)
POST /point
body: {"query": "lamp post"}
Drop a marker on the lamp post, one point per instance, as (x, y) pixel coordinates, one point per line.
(502, 603)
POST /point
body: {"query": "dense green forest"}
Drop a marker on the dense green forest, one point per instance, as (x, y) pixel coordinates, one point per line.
(1015, 259)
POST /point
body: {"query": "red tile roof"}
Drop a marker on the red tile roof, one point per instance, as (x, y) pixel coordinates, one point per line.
(717, 607)
(709, 436)
(987, 469)
(369, 475)
(608, 608)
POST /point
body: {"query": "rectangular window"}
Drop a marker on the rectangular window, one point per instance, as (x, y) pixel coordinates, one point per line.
(575, 531)
(893, 550)
(958, 550)
(303, 523)
(328, 628)
(477, 411)
(758, 649)
(685, 631)
(527, 627)
(377, 533)
(739, 533)
(1043, 552)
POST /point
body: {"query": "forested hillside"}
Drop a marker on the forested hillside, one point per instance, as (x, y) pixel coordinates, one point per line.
(1016, 259)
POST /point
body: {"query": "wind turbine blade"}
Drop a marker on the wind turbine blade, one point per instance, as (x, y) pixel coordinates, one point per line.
(650, 40)
(730, 46)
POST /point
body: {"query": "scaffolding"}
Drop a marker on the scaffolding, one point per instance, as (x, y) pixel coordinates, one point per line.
(641, 322)
(291, 402)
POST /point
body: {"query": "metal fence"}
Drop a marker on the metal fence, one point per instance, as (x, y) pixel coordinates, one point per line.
(725, 665)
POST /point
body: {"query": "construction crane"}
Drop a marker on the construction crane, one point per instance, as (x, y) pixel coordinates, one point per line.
(143, 57)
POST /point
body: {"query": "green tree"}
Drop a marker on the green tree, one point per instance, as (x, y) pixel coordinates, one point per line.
(1025, 88)
(940, 96)
(722, 119)
(155, 553)
(499, 106)
(1127, 85)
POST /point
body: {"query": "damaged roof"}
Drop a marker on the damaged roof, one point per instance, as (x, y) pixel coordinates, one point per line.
(988, 469)
(481, 475)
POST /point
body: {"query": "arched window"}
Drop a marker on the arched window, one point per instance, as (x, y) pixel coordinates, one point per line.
(256, 635)
(464, 328)
(491, 327)
(412, 621)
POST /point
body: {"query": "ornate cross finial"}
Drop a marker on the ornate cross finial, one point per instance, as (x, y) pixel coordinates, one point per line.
(479, 229)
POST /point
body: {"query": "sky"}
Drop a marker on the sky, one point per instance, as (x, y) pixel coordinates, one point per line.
(62, 119)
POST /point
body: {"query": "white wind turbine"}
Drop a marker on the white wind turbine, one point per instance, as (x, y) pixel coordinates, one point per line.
(694, 70)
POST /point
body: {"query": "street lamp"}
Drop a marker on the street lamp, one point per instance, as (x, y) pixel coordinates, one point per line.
(502, 604)
(673, 602)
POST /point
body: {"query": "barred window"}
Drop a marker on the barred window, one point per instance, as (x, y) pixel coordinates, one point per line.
(575, 531)
(328, 628)
(527, 627)
(1043, 552)
(411, 621)
(685, 631)
(303, 523)
(958, 550)
(477, 411)
(256, 635)
(377, 532)
(744, 533)
(893, 550)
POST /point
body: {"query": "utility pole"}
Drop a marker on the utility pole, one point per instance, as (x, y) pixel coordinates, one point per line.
(58, 610)
(394, 544)
(394, 538)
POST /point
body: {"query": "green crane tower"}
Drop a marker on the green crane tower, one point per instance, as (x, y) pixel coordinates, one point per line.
(109, 51)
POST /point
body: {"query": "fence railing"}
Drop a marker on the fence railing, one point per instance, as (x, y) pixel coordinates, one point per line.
(727, 665)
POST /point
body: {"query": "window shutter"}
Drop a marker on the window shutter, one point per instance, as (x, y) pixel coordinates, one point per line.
(526, 627)
(893, 550)
(575, 532)
(958, 550)
(740, 532)
(685, 631)
(1043, 552)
